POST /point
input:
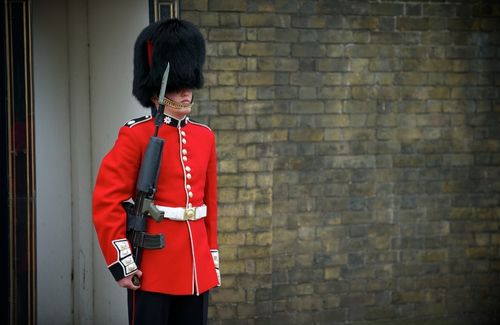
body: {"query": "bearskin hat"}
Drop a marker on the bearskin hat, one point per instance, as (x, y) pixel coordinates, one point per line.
(176, 41)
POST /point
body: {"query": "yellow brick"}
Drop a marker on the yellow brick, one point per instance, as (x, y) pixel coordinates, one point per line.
(226, 64)
(200, 5)
(263, 265)
(256, 49)
(251, 64)
(256, 78)
(332, 273)
(228, 166)
(226, 223)
(251, 93)
(231, 238)
(227, 93)
(226, 195)
(257, 20)
(226, 137)
(229, 295)
(409, 134)
(280, 135)
(227, 78)
(313, 135)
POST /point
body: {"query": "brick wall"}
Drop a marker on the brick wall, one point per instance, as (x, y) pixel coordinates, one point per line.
(359, 159)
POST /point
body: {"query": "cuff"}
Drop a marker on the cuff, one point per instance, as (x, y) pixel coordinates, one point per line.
(125, 264)
(215, 256)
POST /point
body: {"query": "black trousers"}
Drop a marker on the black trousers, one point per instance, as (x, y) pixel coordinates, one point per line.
(153, 308)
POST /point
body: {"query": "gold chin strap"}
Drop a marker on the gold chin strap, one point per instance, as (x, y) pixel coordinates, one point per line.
(176, 105)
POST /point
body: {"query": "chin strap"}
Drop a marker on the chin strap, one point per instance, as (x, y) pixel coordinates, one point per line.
(168, 102)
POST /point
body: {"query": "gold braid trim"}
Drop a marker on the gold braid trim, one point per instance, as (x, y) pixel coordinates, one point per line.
(176, 105)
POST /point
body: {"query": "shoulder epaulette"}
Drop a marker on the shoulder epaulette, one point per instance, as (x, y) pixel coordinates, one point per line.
(138, 120)
(200, 124)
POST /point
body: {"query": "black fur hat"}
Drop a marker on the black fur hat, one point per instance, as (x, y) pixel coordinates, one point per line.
(176, 41)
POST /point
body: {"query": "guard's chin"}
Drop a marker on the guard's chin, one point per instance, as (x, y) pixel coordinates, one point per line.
(183, 111)
(178, 113)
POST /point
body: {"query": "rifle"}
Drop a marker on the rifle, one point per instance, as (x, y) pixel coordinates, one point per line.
(145, 191)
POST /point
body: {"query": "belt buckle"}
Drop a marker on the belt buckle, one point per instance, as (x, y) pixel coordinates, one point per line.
(190, 214)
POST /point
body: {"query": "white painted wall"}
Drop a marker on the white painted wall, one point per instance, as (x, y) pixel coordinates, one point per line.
(82, 53)
(113, 28)
(53, 165)
(81, 162)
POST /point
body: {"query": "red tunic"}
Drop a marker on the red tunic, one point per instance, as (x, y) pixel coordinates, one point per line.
(187, 178)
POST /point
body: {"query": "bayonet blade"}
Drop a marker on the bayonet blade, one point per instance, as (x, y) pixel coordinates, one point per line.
(164, 81)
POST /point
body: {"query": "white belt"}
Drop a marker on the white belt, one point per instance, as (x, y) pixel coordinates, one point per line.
(182, 214)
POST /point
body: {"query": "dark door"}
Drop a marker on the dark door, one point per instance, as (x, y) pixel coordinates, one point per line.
(17, 170)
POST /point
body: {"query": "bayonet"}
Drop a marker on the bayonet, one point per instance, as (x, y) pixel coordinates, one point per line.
(164, 82)
(161, 99)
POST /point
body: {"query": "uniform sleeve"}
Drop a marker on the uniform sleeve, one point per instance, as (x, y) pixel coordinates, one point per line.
(211, 203)
(116, 183)
(211, 199)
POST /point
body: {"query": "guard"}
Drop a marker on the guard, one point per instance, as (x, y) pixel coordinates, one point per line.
(169, 281)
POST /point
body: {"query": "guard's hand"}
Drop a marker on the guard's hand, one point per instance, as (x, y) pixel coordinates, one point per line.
(126, 282)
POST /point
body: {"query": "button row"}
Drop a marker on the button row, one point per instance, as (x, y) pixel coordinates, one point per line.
(187, 169)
